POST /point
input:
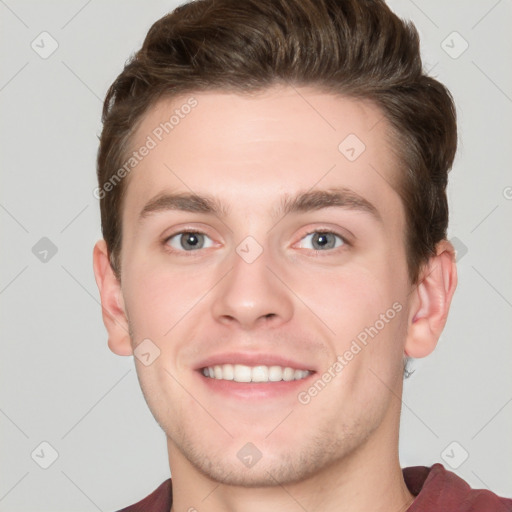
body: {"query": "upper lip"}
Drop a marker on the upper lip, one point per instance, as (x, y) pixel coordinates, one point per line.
(252, 359)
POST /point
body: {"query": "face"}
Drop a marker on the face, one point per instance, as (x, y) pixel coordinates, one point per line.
(277, 304)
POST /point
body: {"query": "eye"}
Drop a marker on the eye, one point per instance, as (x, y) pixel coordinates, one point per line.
(322, 240)
(189, 241)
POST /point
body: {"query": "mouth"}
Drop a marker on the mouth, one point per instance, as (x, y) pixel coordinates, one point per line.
(248, 377)
(254, 374)
(254, 382)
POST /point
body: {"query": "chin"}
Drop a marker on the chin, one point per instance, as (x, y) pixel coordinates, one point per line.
(240, 463)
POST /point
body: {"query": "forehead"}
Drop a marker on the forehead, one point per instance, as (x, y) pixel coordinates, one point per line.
(249, 148)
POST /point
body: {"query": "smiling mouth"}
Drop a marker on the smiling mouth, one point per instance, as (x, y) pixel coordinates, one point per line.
(261, 373)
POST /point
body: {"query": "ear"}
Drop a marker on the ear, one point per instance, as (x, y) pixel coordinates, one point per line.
(112, 303)
(431, 299)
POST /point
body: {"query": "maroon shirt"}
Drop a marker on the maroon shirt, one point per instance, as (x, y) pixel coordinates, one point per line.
(435, 488)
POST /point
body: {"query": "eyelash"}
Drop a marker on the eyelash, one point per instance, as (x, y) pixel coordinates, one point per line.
(316, 252)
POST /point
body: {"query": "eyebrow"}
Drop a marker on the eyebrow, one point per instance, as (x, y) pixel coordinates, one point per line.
(302, 202)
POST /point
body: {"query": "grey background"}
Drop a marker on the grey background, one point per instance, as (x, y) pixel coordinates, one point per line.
(60, 384)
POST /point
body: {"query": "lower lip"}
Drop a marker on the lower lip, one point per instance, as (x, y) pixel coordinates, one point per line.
(255, 390)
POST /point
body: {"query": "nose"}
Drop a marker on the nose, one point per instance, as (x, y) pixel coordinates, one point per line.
(253, 294)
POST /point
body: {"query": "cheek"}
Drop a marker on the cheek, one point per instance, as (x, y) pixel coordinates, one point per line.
(363, 307)
(148, 307)
(346, 299)
(157, 299)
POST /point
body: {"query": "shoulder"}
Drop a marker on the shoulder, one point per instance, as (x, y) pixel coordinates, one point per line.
(438, 487)
(160, 500)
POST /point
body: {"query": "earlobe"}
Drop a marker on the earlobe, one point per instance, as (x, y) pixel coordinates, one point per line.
(431, 302)
(112, 304)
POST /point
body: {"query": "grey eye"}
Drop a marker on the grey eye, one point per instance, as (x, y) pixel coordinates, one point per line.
(189, 241)
(323, 240)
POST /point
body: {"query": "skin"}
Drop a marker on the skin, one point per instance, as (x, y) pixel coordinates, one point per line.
(340, 450)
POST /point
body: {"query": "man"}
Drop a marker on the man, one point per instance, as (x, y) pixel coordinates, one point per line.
(272, 182)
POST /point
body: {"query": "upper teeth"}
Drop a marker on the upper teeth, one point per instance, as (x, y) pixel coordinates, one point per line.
(242, 373)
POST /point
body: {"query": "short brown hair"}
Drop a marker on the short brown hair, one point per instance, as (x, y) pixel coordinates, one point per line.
(358, 48)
